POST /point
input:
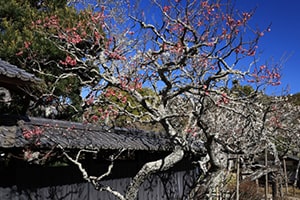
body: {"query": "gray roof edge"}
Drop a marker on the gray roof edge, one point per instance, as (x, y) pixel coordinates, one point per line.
(12, 71)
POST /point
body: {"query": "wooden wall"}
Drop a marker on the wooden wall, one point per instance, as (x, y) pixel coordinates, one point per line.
(166, 186)
(20, 180)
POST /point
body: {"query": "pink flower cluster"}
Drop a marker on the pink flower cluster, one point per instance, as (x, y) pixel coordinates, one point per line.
(223, 100)
(71, 35)
(110, 92)
(27, 45)
(265, 75)
(35, 132)
(49, 22)
(136, 84)
(69, 61)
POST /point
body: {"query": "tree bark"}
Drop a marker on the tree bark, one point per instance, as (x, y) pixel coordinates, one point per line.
(238, 178)
(217, 172)
(266, 176)
(151, 168)
(274, 186)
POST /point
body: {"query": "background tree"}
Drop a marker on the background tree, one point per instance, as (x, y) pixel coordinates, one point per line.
(187, 57)
(285, 123)
(23, 44)
(295, 99)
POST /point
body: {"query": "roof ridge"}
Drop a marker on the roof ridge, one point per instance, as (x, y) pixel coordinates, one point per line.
(39, 121)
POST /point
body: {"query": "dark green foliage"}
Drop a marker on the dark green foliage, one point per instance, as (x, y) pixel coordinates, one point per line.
(25, 45)
(295, 99)
(241, 90)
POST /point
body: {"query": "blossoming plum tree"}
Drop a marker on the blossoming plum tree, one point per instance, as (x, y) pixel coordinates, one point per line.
(188, 56)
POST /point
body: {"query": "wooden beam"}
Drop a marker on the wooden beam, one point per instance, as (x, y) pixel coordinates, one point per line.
(285, 177)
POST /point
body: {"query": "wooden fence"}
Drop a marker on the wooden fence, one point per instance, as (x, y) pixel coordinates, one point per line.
(166, 186)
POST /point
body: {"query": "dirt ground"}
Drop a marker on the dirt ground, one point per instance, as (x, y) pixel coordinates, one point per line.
(291, 195)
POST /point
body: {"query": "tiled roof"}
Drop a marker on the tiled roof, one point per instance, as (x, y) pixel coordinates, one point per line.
(72, 135)
(12, 71)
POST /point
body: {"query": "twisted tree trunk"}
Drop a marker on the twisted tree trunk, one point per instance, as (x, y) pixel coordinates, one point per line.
(151, 168)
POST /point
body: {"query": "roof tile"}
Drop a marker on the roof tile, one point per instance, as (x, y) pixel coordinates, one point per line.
(12, 71)
(77, 135)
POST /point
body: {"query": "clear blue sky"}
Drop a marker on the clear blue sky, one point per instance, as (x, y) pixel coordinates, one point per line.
(284, 38)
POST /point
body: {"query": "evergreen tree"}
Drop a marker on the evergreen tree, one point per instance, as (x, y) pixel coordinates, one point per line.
(23, 43)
